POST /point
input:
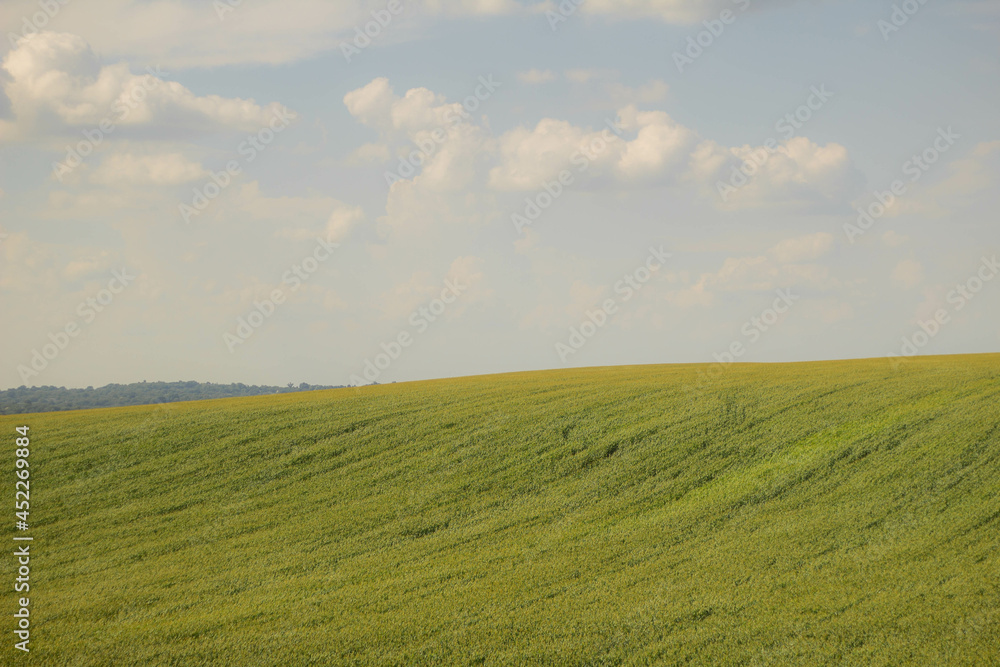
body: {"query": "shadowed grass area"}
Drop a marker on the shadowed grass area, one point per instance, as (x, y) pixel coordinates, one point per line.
(794, 514)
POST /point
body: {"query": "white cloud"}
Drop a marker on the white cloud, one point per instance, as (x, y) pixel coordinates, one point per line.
(660, 145)
(798, 174)
(300, 218)
(647, 148)
(689, 297)
(437, 138)
(186, 33)
(89, 266)
(745, 273)
(472, 7)
(166, 169)
(668, 11)
(535, 76)
(969, 180)
(194, 33)
(373, 104)
(95, 204)
(56, 81)
(377, 106)
(756, 273)
(530, 158)
(972, 174)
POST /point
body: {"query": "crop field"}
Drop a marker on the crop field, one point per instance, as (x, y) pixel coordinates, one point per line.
(794, 514)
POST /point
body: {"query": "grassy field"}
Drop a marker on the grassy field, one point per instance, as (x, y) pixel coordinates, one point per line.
(797, 514)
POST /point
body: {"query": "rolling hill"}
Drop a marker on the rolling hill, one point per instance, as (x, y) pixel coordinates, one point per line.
(793, 514)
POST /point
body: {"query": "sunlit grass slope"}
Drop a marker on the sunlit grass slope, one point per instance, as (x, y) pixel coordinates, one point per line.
(802, 514)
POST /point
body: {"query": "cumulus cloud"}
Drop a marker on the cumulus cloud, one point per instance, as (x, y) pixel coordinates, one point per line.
(660, 145)
(379, 107)
(655, 149)
(55, 81)
(639, 148)
(798, 173)
(373, 104)
(432, 137)
(530, 158)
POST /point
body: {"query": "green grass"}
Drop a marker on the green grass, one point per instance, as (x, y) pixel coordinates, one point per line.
(798, 514)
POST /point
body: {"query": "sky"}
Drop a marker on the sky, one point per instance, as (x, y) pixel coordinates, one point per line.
(347, 192)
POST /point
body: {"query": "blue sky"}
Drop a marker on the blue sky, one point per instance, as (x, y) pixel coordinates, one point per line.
(523, 292)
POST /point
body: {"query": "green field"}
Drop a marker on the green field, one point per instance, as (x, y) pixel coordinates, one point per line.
(793, 514)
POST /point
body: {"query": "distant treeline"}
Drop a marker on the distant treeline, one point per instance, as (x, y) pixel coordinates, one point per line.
(51, 399)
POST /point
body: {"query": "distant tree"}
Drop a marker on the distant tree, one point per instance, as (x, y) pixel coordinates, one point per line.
(49, 398)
